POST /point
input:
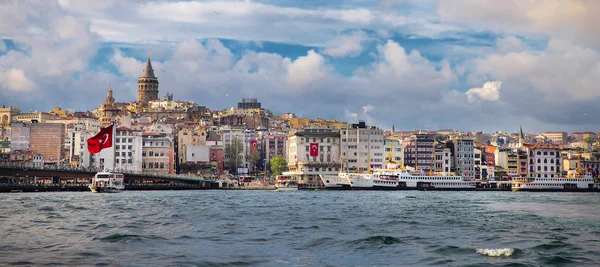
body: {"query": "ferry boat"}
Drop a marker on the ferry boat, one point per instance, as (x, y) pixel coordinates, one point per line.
(339, 181)
(285, 183)
(107, 182)
(585, 182)
(393, 178)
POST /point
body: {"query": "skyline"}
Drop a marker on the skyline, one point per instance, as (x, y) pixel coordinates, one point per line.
(412, 64)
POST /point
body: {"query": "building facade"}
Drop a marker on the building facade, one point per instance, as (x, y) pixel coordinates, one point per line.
(544, 160)
(463, 156)
(323, 144)
(419, 151)
(393, 150)
(157, 154)
(556, 137)
(362, 147)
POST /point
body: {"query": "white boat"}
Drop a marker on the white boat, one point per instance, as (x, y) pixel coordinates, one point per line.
(286, 183)
(107, 182)
(394, 178)
(571, 183)
(339, 181)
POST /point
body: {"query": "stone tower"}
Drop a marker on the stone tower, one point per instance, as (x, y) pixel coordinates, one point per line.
(147, 85)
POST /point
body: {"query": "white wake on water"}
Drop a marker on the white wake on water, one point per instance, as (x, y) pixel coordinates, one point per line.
(496, 252)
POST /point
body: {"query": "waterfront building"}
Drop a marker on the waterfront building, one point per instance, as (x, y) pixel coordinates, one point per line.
(312, 151)
(147, 85)
(479, 162)
(443, 160)
(463, 156)
(274, 144)
(489, 156)
(43, 139)
(544, 160)
(507, 158)
(419, 151)
(189, 136)
(393, 146)
(128, 151)
(243, 163)
(362, 147)
(157, 154)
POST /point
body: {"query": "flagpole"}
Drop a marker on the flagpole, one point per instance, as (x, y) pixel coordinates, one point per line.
(114, 146)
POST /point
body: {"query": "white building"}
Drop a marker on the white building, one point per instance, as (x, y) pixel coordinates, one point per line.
(325, 144)
(128, 150)
(361, 143)
(544, 160)
(443, 160)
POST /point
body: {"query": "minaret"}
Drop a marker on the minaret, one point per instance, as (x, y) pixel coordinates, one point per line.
(147, 85)
(521, 137)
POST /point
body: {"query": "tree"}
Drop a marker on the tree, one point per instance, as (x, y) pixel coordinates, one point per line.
(278, 165)
(233, 151)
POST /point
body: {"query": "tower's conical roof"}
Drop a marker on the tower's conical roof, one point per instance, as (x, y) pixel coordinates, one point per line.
(148, 70)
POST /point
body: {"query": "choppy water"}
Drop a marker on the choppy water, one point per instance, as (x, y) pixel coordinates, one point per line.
(304, 228)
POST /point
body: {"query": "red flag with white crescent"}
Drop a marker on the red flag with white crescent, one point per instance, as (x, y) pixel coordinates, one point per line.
(101, 140)
(314, 149)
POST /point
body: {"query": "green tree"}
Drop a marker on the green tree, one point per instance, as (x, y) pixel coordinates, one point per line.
(278, 165)
(233, 153)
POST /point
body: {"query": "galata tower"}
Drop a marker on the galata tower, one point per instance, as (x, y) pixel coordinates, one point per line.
(147, 85)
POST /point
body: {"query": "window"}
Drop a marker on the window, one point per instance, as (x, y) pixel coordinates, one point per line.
(162, 165)
(129, 161)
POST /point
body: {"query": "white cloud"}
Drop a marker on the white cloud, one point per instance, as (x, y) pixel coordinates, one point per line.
(346, 45)
(489, 91)
(16, 80)
(306, 69)
(574, 20)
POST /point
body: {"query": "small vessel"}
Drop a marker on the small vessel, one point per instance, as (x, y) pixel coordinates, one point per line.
(285, 183)
(107, 182)
(573, 182)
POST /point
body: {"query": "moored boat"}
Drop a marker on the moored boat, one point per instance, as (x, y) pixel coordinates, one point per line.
(107, 182)
(285, 183)
(573, 183)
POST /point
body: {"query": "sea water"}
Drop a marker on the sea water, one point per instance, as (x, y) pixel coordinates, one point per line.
(300, 228)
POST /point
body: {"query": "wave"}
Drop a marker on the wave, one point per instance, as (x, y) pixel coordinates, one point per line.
(496, 252)
(115, 238)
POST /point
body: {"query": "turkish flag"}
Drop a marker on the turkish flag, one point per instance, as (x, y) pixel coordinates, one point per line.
(314, 149)
(253, 143)
(101, 140)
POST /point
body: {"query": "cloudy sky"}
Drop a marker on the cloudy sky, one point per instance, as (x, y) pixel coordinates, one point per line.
(415, 64)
